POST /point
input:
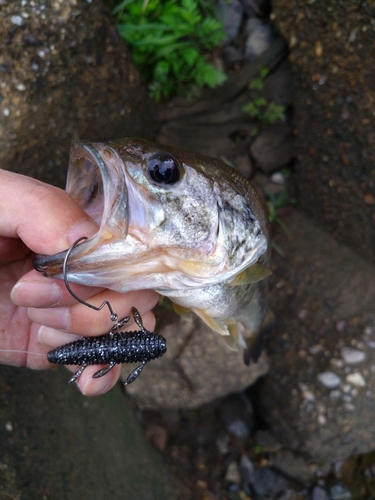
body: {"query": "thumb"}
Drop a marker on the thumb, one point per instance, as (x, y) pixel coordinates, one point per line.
(44, 217)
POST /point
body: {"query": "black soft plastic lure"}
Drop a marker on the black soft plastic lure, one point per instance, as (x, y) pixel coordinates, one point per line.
(113, 348)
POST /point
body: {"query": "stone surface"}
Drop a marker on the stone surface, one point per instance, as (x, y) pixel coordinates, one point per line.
(331, 45)
(273, 147)
(65, 75)
(197, 368)
(58, 444)
(329, 283)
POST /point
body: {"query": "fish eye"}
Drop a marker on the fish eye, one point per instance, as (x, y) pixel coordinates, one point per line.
(163, 168)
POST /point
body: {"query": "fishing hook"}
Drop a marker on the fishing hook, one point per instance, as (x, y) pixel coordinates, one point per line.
(114, 316)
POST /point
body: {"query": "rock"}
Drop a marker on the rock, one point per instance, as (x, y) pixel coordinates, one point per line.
(331, 420)
(268, 483)
(339, 492)
(267, 441)
(259, 38)
(102, 452)
(334, 101)
(319, 493)
(329, 379)
(273, 147)
(352, 356)
(65, 75)
(230, 15)
(197, 368)
(292, 466)
(232, 474)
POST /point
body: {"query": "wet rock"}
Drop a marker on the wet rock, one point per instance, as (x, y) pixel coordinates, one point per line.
(67, 75)
(273, 147)
(197, 367)
(324, 421)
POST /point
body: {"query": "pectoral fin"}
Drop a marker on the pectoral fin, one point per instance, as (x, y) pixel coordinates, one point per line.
(184, 312)
(253, 274)
(235, 340)
(215, 324)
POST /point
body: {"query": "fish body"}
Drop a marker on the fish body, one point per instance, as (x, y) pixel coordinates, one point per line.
(186, 225)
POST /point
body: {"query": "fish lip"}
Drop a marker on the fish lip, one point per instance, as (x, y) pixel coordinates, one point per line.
(104, 199)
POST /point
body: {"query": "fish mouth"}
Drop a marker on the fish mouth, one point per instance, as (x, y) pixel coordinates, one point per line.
(97, 183)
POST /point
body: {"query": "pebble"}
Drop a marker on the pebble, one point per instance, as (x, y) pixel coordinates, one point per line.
(329, 379)
(352, 356)
(9, 427)
(259, 38)
(339, 492)
(233, 474)
(238, 428)
(319, 493)
(356, 379)
(17, 20)
(247, 470)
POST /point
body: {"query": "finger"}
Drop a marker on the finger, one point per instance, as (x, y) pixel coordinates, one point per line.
(43, 216)
(12, 249)
(95, 386)
(35, 290)
(81, 320)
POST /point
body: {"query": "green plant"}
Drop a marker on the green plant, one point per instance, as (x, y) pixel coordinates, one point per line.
(169, 40)
(259, 107)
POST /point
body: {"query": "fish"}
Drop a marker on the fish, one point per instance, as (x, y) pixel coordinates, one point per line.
(186, 225)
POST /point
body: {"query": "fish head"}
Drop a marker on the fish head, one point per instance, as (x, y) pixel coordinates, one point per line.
(169, 219)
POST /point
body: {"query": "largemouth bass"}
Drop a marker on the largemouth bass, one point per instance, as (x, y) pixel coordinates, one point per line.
(186, 225)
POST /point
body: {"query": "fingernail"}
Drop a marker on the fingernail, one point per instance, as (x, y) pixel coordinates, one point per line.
(36, 293)
(54, 338)
(97, 386)
(58, 317)
(83, 227)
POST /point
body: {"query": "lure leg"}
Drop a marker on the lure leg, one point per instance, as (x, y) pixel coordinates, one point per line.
(138, 318)
(104, 371)
(135, 373)
(118, 325)
(78, 373)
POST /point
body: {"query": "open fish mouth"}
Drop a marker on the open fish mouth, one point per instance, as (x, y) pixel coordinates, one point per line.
(97, 183)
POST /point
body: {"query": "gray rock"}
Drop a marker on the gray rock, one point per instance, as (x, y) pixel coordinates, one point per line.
(259, 38)
(267, 441)
(230, 15)
(329, 425)
(352, 356)
(273, 147)
(268, 483)
(197, 368)
(329, 379)
(292, 466)
(340, 492)
(60, 444)
(319, 493)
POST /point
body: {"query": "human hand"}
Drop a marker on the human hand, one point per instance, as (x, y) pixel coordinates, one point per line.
(37, 217)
